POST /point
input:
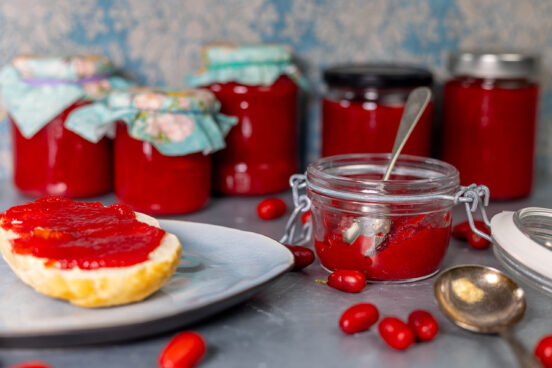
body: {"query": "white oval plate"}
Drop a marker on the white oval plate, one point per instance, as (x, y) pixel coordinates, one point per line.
(220, 267)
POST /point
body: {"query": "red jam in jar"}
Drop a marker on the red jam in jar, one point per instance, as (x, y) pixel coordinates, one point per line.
(57, 161)
(362, 109)
(490, 112)
(78, 234)
(151, 182)
(261, 151)
(397, 230)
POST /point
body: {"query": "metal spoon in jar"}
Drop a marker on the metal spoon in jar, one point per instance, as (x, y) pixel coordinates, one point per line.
(484, 300)
(378, 228)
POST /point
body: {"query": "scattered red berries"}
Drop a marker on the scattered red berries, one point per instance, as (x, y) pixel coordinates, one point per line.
(32, 364)
(399, 335)
(271, 208)
(396, 333)
(351, 281)
(184, 350)
(423, 324)
(463, 231)
(303, 256)
(543, 351)
(305, 217)
(358, 318)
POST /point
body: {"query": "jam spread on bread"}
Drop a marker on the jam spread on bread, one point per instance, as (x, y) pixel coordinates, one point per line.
(73, 234)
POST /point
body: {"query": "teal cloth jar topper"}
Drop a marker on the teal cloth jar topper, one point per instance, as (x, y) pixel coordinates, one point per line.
(163, 147)
(60, 122)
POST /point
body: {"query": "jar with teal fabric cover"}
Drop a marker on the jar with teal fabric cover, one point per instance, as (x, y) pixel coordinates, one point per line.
(61, 127)
(259, 85)
(163, 144)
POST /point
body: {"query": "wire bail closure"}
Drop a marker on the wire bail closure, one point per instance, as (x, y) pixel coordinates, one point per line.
(473, 197)
(302, 204)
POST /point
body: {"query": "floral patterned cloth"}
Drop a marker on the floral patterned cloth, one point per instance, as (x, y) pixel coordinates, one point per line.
(176, 122)
(251, 65)
(36, 89)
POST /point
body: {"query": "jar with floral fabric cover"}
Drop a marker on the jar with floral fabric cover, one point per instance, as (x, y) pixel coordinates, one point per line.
(163, 144)
(258, 85)
(61, 127)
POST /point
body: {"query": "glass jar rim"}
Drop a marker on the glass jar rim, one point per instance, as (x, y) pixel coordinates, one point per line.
(436, 179)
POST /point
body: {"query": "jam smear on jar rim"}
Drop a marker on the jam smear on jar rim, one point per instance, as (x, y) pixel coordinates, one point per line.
(85, 235)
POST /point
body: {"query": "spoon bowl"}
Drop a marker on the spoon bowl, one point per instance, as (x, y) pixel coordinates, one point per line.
(480, 299)
(485, 300)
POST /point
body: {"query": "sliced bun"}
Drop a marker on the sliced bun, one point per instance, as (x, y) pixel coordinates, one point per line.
(101, 287)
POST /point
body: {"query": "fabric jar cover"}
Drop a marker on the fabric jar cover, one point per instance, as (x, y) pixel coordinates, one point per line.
(35, 89)
(176, 122)
(252, 65)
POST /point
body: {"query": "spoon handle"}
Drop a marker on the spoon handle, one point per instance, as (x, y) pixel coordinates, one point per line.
(415, 105)
(524, 358)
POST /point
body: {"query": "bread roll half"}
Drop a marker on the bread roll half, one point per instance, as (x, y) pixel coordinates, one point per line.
(100, 287)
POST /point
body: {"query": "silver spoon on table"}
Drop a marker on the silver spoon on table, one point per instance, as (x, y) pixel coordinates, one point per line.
(377, 228)
(484, 300)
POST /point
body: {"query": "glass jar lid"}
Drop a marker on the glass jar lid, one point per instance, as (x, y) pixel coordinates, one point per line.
(377, 75)
(482, 64)
(523, 243)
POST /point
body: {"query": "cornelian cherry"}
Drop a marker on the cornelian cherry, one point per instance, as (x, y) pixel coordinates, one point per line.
(477, 241)
(423, 324)
(303, 256)
(358, 318)
(271, 208)
(396, 333)
(463, 231)
(184, 350)
(305, 217)
(543, 351)
(351, 281)
(32, 364)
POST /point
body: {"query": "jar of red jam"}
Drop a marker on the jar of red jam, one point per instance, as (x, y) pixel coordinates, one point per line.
(163, 148)
(490, 111)
(258, 85)
(393, 231)
(363, 105)
(60, 143)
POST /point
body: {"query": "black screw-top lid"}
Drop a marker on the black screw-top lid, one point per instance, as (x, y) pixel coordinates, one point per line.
(377, 75)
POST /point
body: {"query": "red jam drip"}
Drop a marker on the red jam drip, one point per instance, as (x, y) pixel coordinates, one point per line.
(260, 153)
(153, 183)
(56, 161)
(414, 247)
(489, 135)
(77, 234)
(369, 127)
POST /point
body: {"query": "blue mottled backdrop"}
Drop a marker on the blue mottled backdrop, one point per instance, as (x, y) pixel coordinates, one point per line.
(159, 41)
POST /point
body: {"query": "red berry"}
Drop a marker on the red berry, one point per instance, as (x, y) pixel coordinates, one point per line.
(358, 318)
(32, 364)
(543, 351)
(271, 208)
(477, 241)
(303, 256)
(463, 231)
(351, 281)
(396, 333)
(305, 217)
(423, 324)
(459, 231)
(183, 351)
